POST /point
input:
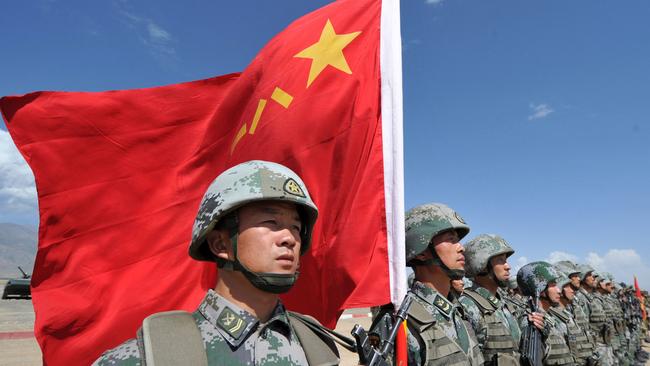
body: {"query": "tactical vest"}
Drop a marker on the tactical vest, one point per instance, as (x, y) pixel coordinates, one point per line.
(173, 338)
(499, 338)
(440, 349)
(579, 344)
(612, 320)
(597, 320)
(558, 353)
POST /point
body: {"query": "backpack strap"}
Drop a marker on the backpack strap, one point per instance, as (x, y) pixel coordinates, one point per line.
(171, 338)
(484, 305)
(319, 348)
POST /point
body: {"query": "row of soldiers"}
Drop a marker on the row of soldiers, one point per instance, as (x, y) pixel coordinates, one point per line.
(469, 310)
(255, 221)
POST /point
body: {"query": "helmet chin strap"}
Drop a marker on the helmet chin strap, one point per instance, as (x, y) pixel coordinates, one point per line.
(453, 274)
(276, 283)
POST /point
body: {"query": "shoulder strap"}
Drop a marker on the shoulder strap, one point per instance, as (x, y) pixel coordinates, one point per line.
(418, 313)
(484, 305)
(171, 338)
(318, 346)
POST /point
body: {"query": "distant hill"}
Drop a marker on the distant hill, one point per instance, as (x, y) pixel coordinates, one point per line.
(17, 248)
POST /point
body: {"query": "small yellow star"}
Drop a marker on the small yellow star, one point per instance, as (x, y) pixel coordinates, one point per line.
(327, 51)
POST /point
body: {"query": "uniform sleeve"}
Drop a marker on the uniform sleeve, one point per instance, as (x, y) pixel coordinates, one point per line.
(126, 354)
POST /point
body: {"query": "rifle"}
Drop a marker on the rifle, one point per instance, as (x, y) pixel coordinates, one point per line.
(532, 347)
(369, 355)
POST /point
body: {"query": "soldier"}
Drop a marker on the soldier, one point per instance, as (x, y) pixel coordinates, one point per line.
(438, 334)
(584, 341)
(496, 327)
(539, 280)
(598, 325)
(514, 301)
(614, 317)
(255, 221)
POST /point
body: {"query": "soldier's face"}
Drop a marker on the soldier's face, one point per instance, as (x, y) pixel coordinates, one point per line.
(500, 267)
(589, 280)
(553, 292)
(447, 246)
(269, 237)
(568, 292)
(575, 280)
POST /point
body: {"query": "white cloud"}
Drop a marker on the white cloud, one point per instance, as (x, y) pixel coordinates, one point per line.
(517, 263)
(561, 256)
(158, 40)
(624, 264)
(435, 2)
(539, 111)
(17, 190)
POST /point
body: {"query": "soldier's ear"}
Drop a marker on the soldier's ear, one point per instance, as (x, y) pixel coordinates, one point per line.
(219, 243)
(424, 256)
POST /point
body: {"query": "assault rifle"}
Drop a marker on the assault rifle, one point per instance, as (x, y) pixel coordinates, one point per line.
(532, 347)
(368, 354)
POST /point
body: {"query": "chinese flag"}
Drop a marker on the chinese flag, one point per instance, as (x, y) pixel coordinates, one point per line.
(120, 175)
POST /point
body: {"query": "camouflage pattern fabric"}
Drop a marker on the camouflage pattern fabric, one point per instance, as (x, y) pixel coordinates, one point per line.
(426, 221)
(479, 250)
(497, 330)
(597, 319)
(558, 343)
(247, 182)
(445, 339)
(231, 336)
(533, 278)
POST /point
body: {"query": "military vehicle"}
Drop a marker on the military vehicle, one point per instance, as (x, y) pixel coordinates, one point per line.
(18, 287)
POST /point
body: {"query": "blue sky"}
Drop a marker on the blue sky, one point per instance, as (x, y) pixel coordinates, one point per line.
(529, 118)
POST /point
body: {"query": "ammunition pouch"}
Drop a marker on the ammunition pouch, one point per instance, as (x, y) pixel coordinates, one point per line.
(504, 359)
(607, 333)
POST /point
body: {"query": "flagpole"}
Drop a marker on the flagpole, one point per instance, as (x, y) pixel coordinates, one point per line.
(393, 147)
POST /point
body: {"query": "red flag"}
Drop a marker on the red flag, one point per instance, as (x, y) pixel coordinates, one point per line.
(639, 296)
(120, 175)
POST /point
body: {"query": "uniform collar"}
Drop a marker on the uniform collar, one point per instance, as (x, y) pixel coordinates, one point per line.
(494, 300)
(235, 324)
(434, 298)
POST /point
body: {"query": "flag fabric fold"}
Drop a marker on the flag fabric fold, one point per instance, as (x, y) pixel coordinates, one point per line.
(120, 175)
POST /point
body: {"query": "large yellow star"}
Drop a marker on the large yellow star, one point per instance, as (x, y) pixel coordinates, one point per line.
(327, 51)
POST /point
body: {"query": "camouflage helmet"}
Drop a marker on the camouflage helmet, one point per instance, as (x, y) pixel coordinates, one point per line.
(568, 268)
(533, 278)
(426, 221)
(248, 182)
(562, 279)
(479, 250)
(584, 270)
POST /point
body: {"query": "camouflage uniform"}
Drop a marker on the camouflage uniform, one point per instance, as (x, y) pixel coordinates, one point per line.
(229, 334)
(597, 320)
(495, 325)
(580, 341)
(515, 303)
(534, 278)
(251, 343)
(438, 334)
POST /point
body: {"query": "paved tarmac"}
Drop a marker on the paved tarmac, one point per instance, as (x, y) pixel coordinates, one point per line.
(18, 346)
